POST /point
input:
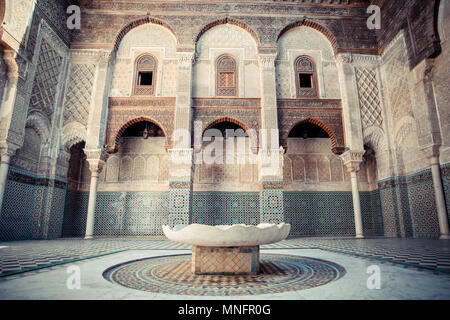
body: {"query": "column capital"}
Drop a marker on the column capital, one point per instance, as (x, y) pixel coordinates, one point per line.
(95, 165)
(423, 72)
(7, 151)
(104, 57)
(352, 159)
(185, 59)
(344, 58)
(432, 153)
(181, 156)
(267, 60)
(96, 159)
(271, 163)
(9, 57)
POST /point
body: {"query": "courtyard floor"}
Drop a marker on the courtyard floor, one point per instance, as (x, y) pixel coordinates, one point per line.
(409, 269)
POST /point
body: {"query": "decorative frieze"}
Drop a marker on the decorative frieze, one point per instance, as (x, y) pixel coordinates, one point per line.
(227, 102)
(142, 102)
(309, 103)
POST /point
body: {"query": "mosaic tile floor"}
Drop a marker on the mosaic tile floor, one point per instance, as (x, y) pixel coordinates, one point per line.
(172, 275)
(19, 256)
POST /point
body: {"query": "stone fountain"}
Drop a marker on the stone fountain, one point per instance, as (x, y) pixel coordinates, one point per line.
(225, 249)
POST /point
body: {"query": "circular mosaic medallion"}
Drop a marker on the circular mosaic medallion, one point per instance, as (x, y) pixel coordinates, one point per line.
(172, 275)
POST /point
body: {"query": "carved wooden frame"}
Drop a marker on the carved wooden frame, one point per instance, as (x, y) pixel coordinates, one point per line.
(145, 90)
(303, 68)
(227, 91)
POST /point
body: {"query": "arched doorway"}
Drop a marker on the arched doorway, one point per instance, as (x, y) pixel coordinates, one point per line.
(317, 197)
(134, 183)
(225, 176)
(370, 200)
(78, 175)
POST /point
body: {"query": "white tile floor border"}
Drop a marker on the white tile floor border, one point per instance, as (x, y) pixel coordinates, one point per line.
(397, 282)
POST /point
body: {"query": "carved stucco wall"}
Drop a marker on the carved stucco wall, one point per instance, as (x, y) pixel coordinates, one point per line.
(139, 165)
(398, 82)
(27, 157)
(21, 11)
(79, 93)
(233, 40)
(238, 170)
(310, 165)
(441, 82)
(153, 39)
(306, 41)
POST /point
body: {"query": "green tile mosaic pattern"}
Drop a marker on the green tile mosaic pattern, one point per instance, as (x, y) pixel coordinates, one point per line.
(17, 213)
(75, 214)
(409, 206)
(330, 214)
(131, 213)
(30, 202)
(216, 208)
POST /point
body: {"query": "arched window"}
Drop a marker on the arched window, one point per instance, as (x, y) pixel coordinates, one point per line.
(145, 75)
(306, 78)
(226, 76)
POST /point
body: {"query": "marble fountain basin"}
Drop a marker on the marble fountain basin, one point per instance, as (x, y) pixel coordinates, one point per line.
(227, 250)
(228, 235)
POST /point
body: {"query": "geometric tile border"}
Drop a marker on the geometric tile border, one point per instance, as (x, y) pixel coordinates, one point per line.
(172, 275)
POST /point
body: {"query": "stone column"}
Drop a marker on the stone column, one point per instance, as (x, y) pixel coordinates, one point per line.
(183, 104)
(97, 120)
(181, 155)
(96, 160)
(7, 149)
(432, 154)
(269, 111)
(429, 134)
(5, 153)
(270, 153)
(350, 103)
(352, 160)
(96, 128)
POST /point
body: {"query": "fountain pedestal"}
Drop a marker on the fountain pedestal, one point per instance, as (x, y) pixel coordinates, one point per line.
(241, 260)
(227, 250)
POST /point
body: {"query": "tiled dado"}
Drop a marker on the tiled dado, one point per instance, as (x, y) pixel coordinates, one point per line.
(215, 208)
(409, 206)
(331, 213)
(27, 197)
(311, 214)
(445, 171)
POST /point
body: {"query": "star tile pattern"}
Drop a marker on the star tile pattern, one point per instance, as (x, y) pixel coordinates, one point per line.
(172, 275)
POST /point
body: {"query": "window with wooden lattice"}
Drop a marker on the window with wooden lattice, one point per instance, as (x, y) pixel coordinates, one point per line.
(226, 82)
(145, 75)
(306, 77)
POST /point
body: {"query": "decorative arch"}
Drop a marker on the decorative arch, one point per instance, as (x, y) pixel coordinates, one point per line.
(251, 134)
(134, 24)
(335, 148)
(404, 127)
(227, 76)
(73, 133)
(118, 135)
(40, 124)
(147, 63)
(314, 25)
(229, 21)
(305, 66)
(374, 136)
(225, 119)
